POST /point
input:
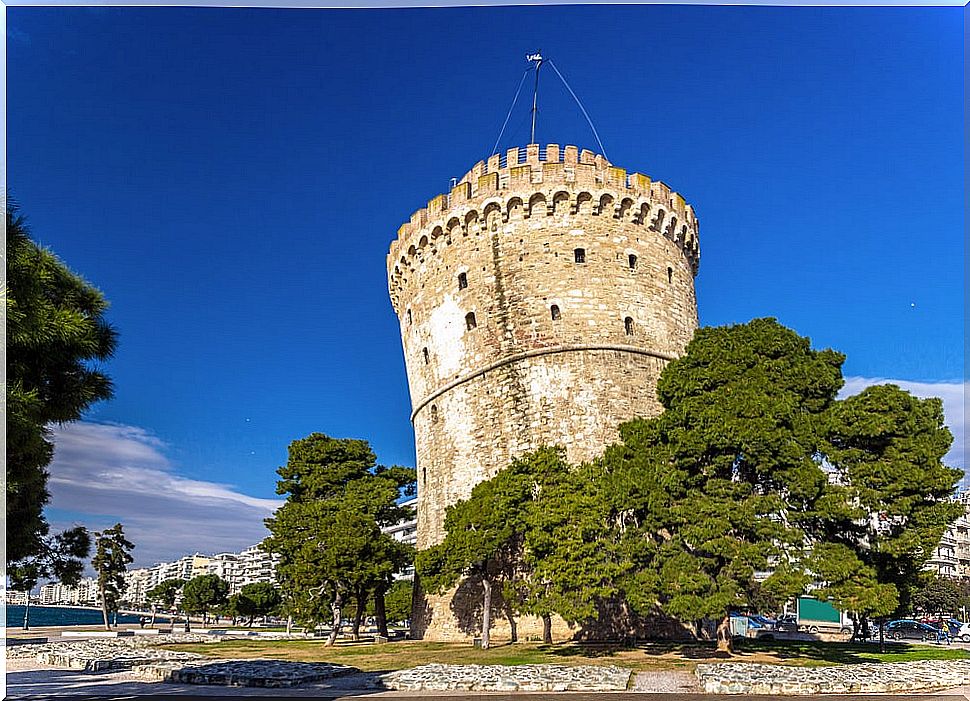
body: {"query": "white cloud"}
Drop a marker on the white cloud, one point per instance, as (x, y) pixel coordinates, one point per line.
(112, 473)
(953, 395)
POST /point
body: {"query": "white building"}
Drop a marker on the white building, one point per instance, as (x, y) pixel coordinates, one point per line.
(137, 586)
(226, 566)
(84, 594)
(256, 565)
(15, 598)
(951, 558)
(407, 532)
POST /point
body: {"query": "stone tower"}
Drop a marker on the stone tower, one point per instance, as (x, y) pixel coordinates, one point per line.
(538, 300)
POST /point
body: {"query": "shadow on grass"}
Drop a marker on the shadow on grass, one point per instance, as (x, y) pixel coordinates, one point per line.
(845, 653)
(809, 652)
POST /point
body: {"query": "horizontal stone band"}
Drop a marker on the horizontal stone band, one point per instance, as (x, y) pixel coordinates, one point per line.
(533, 354)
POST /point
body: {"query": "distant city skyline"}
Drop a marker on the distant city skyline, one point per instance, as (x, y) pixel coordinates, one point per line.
(231, 179)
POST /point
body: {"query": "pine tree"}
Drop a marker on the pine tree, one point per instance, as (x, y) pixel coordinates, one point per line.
(328, 533)
(888, 504)
(59, 558)
(111, 560)
(717, 485)
(56, 331)
(203, 593)
(483, 542)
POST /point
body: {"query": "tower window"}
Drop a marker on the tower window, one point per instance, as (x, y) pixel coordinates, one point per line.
(434, 413)
(628, 325)
(409, 317)
(470, 322)
(424, 475)
(580, 254)
(462, 281)
(670, 275)
(427, 356)
(633, 262)
(556, 315)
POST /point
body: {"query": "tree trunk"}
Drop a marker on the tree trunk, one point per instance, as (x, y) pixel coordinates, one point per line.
(513, 628)
(335, 620)
(27, 612)
(882, 635)
(724, 640)
(486, 612)
(547, 628)
(380, 612)
(361, 599)
(289, 625)
(152, 624)
(188, 626)
(104, 610)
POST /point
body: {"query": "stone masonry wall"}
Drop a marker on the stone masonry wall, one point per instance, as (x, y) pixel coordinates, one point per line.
(512, 338)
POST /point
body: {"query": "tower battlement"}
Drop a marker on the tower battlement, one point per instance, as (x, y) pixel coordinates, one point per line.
(539, 181)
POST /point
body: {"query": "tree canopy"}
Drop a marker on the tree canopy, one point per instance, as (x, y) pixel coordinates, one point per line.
(165, 593)
(203, 593)
(257, 599)
(328, 533)
(111, 559)
(754, 482)
(60, 558)
(934, 594)
(56, 336)
(887, 506)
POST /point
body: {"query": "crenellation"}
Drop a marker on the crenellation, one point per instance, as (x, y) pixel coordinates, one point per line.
(437, 205)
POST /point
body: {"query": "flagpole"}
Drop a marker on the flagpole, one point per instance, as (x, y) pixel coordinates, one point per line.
(537, 58)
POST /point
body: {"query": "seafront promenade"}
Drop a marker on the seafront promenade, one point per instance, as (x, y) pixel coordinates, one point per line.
(55, 632)
(200, 663)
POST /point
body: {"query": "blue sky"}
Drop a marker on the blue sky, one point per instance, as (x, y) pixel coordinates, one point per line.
(231, 179)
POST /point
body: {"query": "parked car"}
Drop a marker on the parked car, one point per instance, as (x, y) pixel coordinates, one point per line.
(906, 629)
(954, 628)
(787, 622)
(962, 633)
(764, 621)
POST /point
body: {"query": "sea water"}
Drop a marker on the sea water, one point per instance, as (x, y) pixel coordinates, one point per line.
(65, 616)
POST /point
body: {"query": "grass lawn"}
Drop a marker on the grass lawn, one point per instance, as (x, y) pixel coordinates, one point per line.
(653, 656)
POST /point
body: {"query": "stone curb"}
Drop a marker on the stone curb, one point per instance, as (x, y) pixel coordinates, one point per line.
(885, 677)
(442, 677)
(101, 654)
(263, 673)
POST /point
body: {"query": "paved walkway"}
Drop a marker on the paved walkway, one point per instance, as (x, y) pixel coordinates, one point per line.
(25, 678)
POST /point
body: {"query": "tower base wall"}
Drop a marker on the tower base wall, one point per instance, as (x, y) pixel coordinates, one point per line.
(456, 616)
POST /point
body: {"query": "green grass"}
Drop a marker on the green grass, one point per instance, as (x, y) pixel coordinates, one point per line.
(819, 653)
(652, 656)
